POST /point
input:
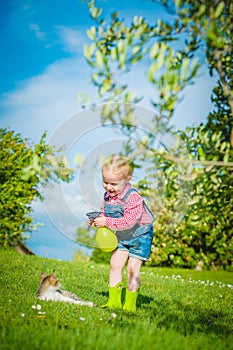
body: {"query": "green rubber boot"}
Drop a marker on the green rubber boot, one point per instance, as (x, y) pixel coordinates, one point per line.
(130, 301)
(114, 300)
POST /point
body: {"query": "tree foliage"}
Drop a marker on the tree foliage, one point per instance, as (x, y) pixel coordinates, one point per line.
(24, 168)
(195, 174)
(201, 31)
(205, 234)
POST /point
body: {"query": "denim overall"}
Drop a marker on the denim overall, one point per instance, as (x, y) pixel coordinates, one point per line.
(117, 211)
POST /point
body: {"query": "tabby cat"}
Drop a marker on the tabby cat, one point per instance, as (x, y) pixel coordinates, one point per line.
(49, 289)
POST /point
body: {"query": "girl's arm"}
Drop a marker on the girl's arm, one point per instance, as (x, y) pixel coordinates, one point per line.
(133, 211)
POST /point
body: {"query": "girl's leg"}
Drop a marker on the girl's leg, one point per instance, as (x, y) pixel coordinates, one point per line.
(117, 262)
(133, 273)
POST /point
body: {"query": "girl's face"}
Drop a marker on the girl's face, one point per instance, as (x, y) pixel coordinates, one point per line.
(113, 183)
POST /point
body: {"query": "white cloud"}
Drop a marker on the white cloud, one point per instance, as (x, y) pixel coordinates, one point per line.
(50, 97)
(44, 101)
(72, 39)
(36, 29)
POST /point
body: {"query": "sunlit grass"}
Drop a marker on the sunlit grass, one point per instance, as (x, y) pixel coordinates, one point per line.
(177, 309)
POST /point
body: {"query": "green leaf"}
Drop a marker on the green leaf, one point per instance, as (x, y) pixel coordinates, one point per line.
(152, 70)
(91, 33)
(120, 46)
(214, 179)
(202, 10)
(219, 9)
(86, 51)
(114, 54)
(201, 153)
(136, 49)
(185, 65)
(223, 146)
(154, 50)
(99, 59)
(226, 158)
(96, 12)
(178, 3)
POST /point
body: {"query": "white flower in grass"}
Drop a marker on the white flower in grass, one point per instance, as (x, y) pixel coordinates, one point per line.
(113, 315)
(22, 315)
(38, 307)
(33, 307)
(82, 319)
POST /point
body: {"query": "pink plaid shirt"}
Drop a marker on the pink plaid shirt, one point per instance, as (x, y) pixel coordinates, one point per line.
(134, 211)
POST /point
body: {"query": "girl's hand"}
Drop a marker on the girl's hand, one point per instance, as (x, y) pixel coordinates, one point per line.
(100, 221)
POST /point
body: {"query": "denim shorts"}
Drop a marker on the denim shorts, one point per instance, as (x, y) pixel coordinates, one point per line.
(138, 247)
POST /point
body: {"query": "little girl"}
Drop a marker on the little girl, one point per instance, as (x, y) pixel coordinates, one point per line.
(125, 212)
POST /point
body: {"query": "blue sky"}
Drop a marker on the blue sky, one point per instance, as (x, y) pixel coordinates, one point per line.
(33, 36)
(42, 72)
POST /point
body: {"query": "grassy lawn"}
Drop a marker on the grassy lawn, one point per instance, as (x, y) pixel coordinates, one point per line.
(177, 309)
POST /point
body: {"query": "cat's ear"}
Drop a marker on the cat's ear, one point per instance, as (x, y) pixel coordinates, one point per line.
(42, 275)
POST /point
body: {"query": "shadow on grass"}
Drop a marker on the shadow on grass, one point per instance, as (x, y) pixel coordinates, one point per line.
(143, 300)
(189, 319)
(185, 319)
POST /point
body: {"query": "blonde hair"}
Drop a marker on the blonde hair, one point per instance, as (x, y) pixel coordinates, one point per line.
(117, 163)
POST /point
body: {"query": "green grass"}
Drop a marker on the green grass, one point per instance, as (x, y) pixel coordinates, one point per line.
(177, 309)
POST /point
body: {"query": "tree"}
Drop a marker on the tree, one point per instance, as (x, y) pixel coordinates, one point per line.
(221, 118)
(199, 28)
(24, 168)
(201, 32)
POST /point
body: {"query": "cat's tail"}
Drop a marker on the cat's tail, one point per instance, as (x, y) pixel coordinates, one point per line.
(85, 303)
